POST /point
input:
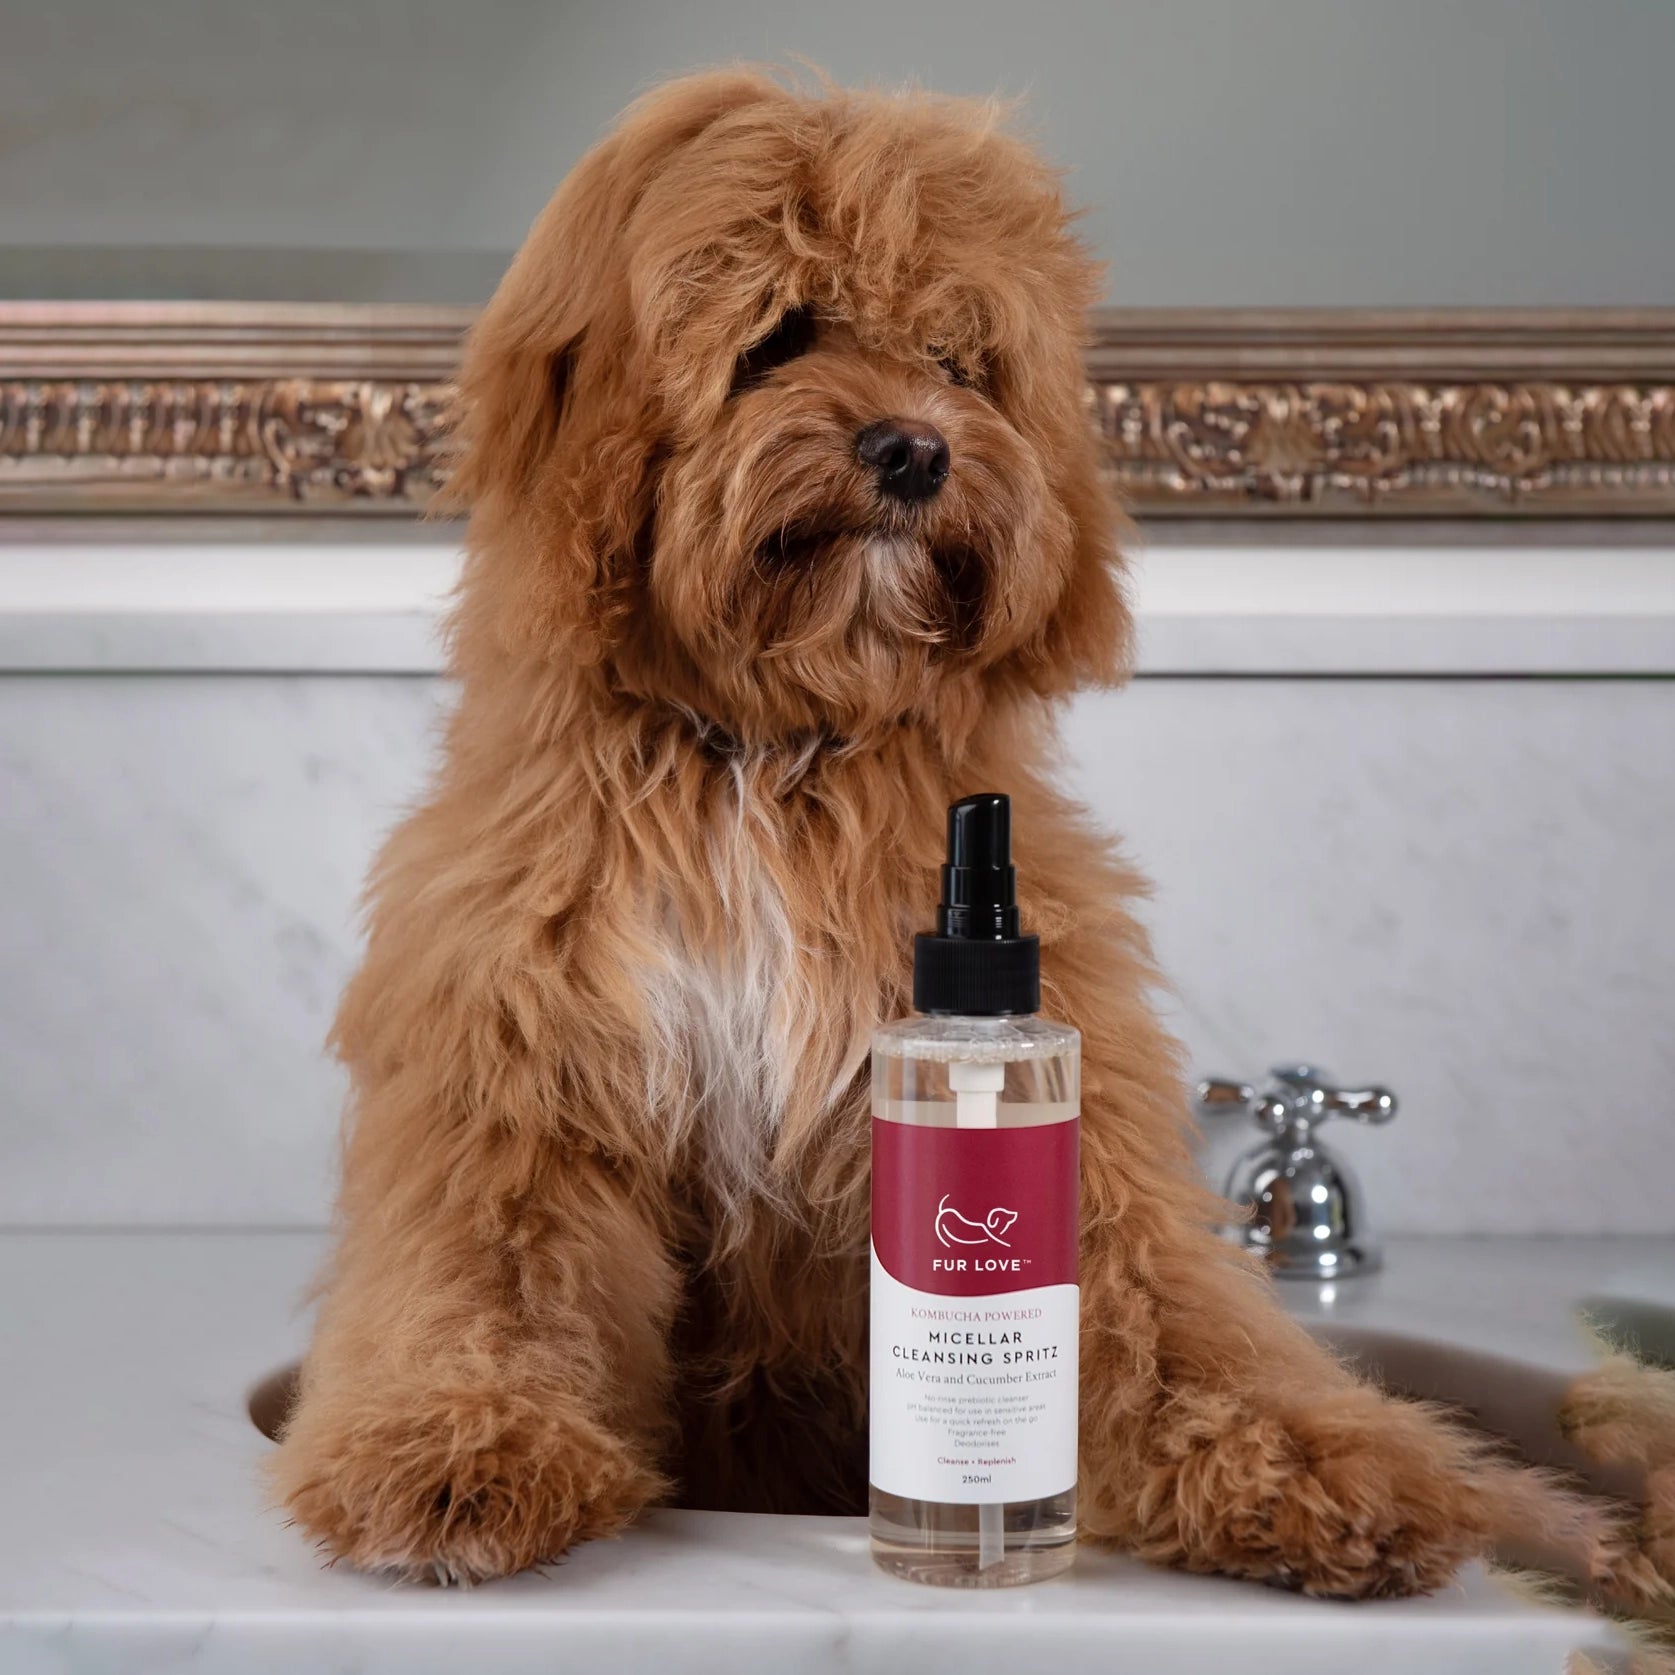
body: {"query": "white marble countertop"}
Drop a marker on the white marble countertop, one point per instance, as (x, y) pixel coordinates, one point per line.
(136, 1538)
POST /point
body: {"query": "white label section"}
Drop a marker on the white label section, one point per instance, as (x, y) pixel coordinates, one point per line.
(973, 1398)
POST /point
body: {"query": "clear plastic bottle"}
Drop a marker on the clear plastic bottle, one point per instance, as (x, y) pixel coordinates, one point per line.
(974, 1299)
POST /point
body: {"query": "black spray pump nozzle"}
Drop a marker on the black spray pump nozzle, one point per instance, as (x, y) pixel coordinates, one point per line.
(976, 962)
(979, 882)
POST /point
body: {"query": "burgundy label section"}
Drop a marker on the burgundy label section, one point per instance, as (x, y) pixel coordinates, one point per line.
(967, 1212)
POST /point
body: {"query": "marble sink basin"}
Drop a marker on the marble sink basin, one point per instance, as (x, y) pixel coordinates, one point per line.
(137, 1538)
(1514, 1399)
(1641, 1326)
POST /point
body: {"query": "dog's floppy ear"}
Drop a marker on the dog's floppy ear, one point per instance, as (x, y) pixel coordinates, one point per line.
(558, 433)
(1088, 639)
(519, 356)
(533, 567)
(559, 429)
(1091, 633)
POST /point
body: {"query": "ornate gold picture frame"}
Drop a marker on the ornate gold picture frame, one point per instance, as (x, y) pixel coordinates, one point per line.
(226, 408)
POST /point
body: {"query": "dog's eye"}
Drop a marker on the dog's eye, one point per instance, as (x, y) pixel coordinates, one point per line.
(791, 337)
(958, 371)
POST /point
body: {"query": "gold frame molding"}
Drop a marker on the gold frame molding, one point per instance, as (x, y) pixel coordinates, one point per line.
(227, 408)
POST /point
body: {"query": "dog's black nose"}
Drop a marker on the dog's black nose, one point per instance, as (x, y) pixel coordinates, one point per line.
(909, 458)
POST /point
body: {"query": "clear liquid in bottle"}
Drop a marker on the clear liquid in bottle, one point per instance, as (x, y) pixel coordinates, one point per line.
(995, 1388)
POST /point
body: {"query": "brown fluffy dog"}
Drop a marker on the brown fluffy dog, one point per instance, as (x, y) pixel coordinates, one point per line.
(725, 653)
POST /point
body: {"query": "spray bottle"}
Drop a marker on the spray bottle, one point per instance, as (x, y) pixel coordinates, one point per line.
(976, 1104)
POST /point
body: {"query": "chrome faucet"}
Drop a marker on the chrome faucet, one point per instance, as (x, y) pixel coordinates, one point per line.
(1303, 1204)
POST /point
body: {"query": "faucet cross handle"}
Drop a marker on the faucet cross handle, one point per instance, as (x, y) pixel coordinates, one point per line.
(1309, 1091)
(1301, 1097)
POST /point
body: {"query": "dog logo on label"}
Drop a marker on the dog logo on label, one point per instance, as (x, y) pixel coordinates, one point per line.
(954, 1229)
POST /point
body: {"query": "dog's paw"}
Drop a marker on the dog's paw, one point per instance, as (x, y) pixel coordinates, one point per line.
(457, 1490)
(1351, 1498)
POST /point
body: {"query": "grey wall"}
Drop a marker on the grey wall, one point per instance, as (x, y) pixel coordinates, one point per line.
(1231, 151)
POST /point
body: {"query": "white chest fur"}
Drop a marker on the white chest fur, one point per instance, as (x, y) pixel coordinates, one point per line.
(728, 1013)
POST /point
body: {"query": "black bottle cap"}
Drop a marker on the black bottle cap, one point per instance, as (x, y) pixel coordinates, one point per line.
(975, 962)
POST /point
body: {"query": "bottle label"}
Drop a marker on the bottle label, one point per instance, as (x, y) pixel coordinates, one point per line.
(974, 1311)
